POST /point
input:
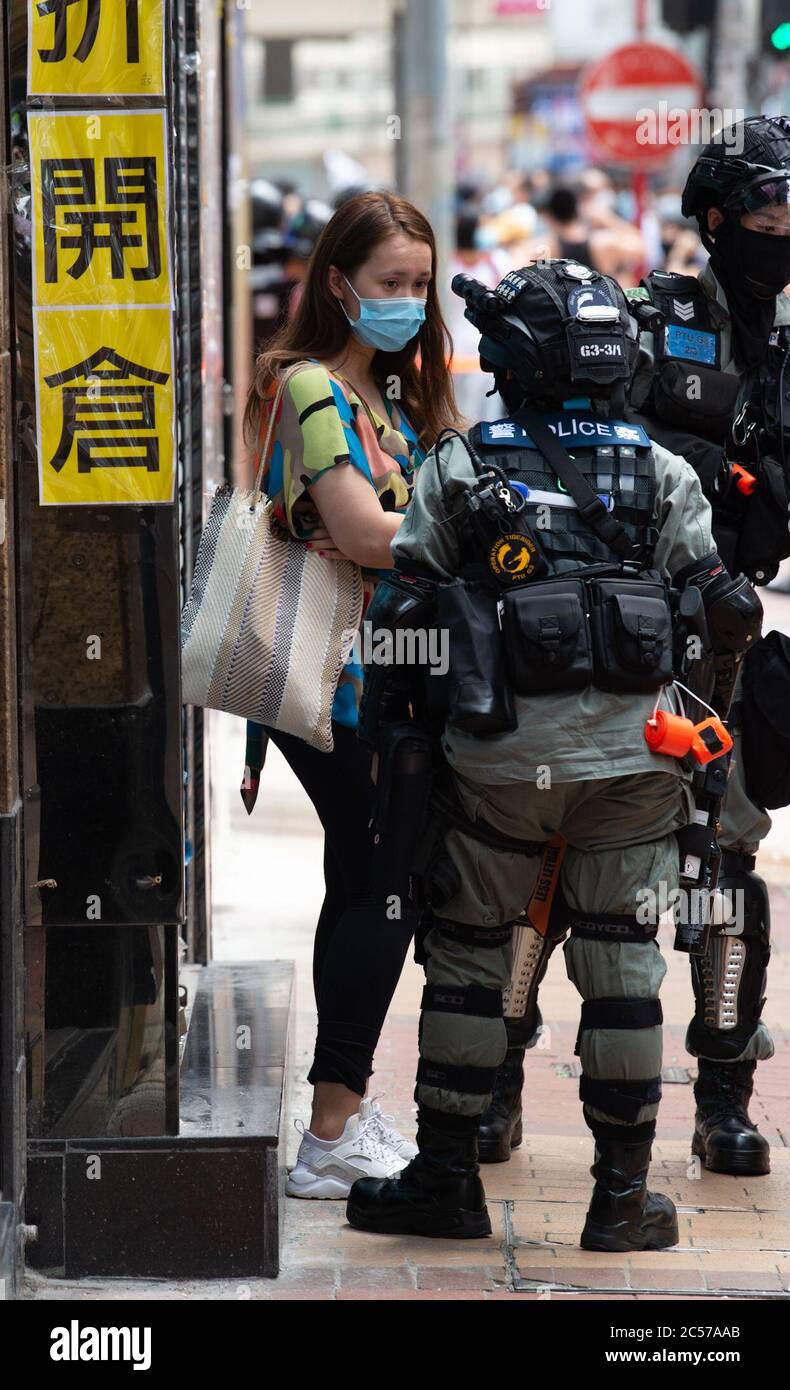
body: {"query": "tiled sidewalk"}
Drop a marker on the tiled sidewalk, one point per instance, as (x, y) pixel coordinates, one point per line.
(735, 1234)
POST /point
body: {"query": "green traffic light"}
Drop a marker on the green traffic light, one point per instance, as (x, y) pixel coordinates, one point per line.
(780, 37)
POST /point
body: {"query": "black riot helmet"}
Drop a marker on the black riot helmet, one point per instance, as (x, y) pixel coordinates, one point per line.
(745, 169)
(562, 329)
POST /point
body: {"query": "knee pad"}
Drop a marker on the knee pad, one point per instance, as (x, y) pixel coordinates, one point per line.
(462, 1043)
(617, 1033)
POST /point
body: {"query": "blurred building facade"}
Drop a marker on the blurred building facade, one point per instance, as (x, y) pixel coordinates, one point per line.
(318, 80)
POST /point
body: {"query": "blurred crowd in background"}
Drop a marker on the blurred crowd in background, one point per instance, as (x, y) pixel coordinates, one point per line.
(500, 224)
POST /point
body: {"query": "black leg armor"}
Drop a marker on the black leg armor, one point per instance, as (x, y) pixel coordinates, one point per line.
(461, 1032)
(726, 1033)
(729, 980)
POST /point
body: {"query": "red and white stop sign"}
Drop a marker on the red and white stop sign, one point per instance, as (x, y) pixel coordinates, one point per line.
(640, 102)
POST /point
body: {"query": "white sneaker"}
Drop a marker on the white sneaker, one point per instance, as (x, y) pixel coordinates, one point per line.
(328, 1167)
(370, 1110)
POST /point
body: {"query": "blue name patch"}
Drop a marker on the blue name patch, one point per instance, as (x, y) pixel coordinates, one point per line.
(692, 344)
(574, 429)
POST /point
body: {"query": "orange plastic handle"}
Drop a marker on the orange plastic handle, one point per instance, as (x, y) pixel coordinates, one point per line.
(744, 480)
(717, 742)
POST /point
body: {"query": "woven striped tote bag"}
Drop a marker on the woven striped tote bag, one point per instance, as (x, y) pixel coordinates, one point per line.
(268, 624)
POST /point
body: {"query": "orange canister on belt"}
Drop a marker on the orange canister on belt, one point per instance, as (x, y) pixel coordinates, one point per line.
(675, 736)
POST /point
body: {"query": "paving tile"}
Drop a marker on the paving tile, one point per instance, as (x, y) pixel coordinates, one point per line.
(743, 1279)
(668, 1277)
(589, 1277)
(365, 1277)
(307, 1277)
(452, 1279)
(402, 1296)
(283, 1295)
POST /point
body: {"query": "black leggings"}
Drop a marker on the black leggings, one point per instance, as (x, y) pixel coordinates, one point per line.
(359, 950)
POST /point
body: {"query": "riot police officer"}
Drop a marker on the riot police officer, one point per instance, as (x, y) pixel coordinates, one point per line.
(730, 332)
(553, 569)
(717, 357)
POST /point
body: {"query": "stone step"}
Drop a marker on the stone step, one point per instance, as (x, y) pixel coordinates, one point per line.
(205, 1203)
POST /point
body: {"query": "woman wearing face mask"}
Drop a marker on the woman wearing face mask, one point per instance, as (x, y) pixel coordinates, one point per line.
(353, 426)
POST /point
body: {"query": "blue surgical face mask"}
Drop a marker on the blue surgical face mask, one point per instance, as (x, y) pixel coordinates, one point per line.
(387, 324)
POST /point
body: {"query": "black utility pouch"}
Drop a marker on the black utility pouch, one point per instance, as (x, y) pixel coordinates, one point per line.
(632, 635)
(547, 637)
(707, 409)
(480, 700)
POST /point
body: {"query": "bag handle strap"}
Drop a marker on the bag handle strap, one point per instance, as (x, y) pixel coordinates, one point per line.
(281, 385)
(606, 527)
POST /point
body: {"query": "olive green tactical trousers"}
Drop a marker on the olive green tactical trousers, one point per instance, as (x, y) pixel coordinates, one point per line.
(620, 834)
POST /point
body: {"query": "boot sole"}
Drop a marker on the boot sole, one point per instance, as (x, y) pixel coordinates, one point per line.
(499, 1153)
(734, 1165)
(468, 1225)
(496, 1153)
(626, 1238)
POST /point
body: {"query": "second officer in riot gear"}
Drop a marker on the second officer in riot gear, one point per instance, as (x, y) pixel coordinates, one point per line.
(711, 385)
(552, 535)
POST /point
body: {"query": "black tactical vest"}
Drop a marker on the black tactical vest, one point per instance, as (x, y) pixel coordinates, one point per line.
(687, 388)
(622, 474)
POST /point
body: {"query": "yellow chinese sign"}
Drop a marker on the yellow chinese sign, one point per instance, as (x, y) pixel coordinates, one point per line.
(100, 208)
(105, 398)
(96, 48)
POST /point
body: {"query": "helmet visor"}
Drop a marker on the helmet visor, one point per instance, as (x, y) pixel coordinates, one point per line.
(767, 190)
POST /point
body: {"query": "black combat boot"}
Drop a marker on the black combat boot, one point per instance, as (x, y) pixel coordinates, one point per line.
(500, 1126)
(623, 1215)
(724, 1137)
(439, 1193)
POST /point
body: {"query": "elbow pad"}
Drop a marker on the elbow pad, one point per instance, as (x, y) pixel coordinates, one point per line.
(733, 610)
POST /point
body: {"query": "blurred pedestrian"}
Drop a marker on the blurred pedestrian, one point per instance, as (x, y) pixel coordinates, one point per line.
(471, 386)
(587, 229)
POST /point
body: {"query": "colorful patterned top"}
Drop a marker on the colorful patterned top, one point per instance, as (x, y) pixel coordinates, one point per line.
(321, 422)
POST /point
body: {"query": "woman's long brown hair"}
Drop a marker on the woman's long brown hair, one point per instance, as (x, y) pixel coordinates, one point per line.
(320, 328)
